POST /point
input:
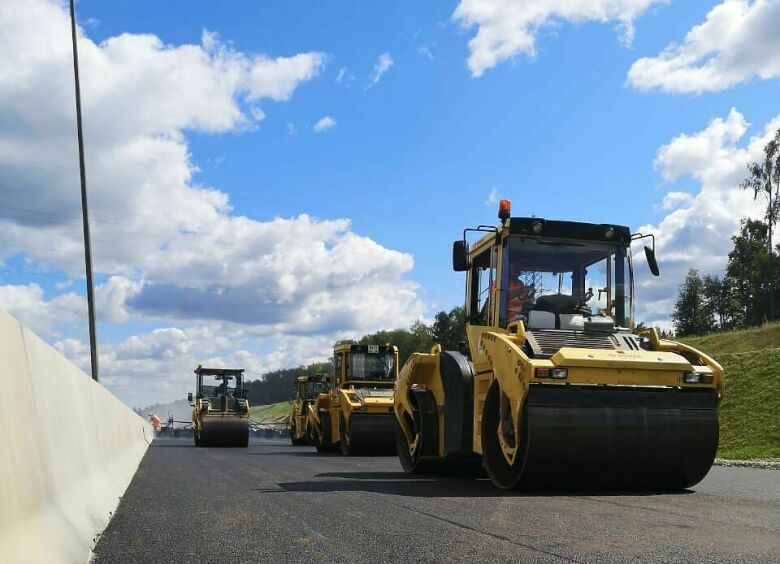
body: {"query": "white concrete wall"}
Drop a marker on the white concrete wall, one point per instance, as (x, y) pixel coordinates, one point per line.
(68, 450)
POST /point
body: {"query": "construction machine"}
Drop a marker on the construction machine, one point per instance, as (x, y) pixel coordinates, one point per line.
(220, 410)
(553, 388)
(356, 416)
(305, 391)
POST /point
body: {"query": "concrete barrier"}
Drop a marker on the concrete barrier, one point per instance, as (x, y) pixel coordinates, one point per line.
(68, 450)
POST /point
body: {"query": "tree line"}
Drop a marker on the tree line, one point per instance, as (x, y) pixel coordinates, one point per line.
(447, 330)
(746, 294)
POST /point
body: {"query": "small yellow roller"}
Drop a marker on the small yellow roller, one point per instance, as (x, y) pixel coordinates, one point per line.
(355, 415)
(220, 410)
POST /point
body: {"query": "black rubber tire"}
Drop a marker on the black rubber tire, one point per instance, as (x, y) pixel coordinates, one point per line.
(308, 439)
(344, 443)
(413, 464)
(503, 475)
(322, 442)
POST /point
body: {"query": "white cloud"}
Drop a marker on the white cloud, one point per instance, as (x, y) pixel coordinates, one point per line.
(29, 305)
(173, 251)
(493, 197)
(382, 65)
(737, 41)
(111, 298)
(291, 129)
(344, 76)
(507, 28)
(696, 233)
(674, 200)
(278, 78)
(324, 124)
(157, 366)
(425, 52)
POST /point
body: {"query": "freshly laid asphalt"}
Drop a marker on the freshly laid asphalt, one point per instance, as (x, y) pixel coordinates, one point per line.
(277, 503)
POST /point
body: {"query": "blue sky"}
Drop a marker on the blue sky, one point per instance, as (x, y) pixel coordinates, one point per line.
(411, 160)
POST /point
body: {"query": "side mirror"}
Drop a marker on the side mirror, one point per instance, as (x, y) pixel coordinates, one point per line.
(460, 256)
(189, 397)
(651, 262)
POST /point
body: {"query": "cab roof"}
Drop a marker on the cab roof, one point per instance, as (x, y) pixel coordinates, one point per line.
(316, 378)
(599, 232)
(219, 371)
(550, 228)
(351, 347)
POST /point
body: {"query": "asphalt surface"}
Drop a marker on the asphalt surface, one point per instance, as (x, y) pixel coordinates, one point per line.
(278, 503)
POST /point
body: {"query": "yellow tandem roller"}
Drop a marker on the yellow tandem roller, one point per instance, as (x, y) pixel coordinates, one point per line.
(555, 389)
(220, 410)
(355, 415)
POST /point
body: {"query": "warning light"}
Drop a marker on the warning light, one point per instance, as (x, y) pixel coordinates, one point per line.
(504, 210)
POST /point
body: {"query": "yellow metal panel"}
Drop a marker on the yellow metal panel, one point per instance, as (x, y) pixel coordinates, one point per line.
(624, 377)
(481, 385)
(384, 402)
(645, 360)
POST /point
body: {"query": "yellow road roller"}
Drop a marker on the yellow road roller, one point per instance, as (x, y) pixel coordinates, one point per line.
(356, 416)
(553, 388)
(220, 410)
(305, 391)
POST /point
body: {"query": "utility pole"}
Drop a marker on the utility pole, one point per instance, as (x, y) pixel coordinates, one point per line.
(84, 207)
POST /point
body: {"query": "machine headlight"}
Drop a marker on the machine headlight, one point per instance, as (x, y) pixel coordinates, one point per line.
(698, 378)
(556, 373)
(559, 373)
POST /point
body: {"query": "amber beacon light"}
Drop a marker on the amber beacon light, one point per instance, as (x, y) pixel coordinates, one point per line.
(504, 210)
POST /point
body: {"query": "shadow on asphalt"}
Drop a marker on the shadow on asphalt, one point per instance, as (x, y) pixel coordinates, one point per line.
(308, 454)
(169, 443)
(394, 483)
(470, 485)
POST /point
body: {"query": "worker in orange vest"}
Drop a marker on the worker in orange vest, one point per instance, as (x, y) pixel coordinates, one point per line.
(519, 295)
(156, 423)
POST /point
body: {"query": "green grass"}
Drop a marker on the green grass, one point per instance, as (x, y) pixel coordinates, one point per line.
(750, 409)
(743, 340)
(270, 411)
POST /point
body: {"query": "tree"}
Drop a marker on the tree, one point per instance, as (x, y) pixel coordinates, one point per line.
(720, 300)
(449, 329)
(691, 315)
(276, 386)
(749, 268)
(764, 179)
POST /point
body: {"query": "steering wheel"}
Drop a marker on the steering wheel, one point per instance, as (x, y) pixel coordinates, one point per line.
(582, 304)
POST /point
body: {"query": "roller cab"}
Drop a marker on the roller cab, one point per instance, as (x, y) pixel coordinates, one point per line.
(356, 416)
(305, 392)
(220, 410)
(554, 389)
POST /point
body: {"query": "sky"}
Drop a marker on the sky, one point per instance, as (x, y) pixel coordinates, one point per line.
(268, 177)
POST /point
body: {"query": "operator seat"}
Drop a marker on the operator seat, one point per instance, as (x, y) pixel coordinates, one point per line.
(556, 303)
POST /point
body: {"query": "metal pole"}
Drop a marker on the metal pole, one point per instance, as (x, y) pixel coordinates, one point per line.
(84, 208)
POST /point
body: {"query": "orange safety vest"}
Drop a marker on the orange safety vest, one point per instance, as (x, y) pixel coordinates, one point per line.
(515, 306)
